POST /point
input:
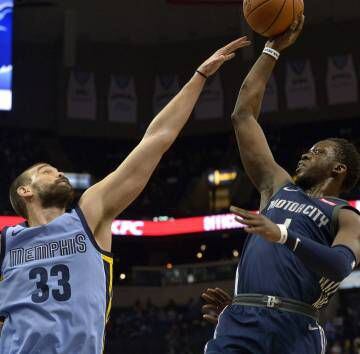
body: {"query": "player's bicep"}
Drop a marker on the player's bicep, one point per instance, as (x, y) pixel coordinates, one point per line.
(257, 157)
(349, 232)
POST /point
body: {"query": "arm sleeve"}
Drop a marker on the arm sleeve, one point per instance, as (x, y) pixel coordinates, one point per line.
(334, 263)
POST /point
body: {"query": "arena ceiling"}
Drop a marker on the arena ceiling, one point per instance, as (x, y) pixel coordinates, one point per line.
(150, 21)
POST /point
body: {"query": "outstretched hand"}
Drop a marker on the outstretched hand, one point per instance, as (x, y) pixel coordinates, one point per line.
(212, 64)
(289, 37)
(216, 300)
(257, 224)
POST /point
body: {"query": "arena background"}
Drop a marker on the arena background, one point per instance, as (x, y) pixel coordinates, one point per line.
(89, 76)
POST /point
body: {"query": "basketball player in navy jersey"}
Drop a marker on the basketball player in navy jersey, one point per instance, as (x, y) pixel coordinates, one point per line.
(301, 245)
(56, 269)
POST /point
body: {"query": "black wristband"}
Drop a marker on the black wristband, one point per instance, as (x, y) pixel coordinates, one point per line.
(200, 73)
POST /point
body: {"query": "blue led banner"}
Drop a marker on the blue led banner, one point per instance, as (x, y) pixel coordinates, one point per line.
(6, 18)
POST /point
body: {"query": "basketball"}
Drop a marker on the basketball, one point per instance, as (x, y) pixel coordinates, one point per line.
(271, 17)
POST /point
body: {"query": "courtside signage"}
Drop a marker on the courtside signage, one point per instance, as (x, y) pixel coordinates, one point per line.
(182, 226)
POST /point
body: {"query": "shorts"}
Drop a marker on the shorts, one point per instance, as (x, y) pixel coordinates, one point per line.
(255, 330)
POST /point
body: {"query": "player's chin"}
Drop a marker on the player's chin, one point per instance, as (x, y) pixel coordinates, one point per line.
(300, 177)
(304, 180)
(63, 191)
(60, 190)
(297, 176)
(301, 174)
(300, 170)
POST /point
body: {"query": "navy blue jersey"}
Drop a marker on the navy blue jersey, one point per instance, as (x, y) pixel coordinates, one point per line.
(271, 268)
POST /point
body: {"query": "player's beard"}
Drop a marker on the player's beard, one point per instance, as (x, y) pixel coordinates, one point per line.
(59, 194)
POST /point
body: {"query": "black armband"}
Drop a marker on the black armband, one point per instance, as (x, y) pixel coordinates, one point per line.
(334, 263)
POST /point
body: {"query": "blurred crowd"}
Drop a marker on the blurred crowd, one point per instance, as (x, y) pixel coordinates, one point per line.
(182, 174)
(148, 329)
(343, 331)
(19, 150)
(179, 329)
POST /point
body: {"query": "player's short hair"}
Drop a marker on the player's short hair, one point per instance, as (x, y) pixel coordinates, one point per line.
(347, 154)
(17, 202)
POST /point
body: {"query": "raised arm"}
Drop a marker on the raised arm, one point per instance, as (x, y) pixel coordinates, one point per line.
(255, 153)
(108, 198)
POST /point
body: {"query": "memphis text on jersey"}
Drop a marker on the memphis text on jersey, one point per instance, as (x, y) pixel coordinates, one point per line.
(53, 249)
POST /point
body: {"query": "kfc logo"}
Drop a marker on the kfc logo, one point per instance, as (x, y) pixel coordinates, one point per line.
(127, 227)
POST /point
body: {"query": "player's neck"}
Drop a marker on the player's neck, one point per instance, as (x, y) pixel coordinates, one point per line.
(40, 216)
(329, 187)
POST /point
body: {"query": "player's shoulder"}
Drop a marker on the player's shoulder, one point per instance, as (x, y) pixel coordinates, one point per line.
(349, 207)
(336, 205)
(338, 202)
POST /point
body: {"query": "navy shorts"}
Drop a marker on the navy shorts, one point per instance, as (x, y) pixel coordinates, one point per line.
(255, 330)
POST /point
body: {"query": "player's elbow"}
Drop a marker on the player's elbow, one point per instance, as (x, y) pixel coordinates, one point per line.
(160, 140)
(338, 275)
(343, 263)
(166, 139)
(240, 116)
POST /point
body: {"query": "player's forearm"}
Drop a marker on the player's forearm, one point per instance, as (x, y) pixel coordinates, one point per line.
(253, 88)
(334, 263)
(170, 121)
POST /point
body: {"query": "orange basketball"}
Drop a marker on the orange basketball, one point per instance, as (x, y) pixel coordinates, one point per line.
(271, 17)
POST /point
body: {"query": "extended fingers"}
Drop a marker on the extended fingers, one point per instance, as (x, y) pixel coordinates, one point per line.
(216, 298)
(209, 308)
(236, 44)
(209, 298)
(245, 214)
(211, 319)
(298, 24)
(295, 24)
(301, 23)
(249, 222)
(229, 56)
(218, 294)
(253, 230)
(223, 294)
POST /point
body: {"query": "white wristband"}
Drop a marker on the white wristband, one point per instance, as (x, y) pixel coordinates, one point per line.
(283, 233)
(272, 52)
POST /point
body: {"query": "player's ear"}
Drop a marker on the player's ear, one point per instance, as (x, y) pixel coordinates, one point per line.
(339, 169)
(25, 191)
